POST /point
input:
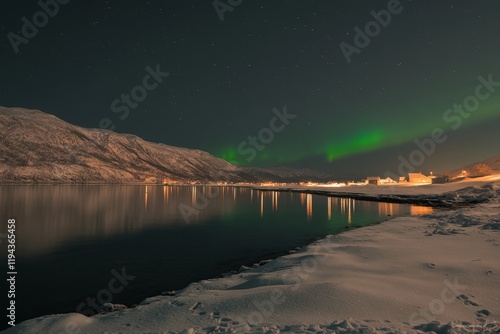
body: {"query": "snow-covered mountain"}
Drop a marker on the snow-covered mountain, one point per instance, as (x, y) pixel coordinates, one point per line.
(39, 147)
(286, 174)
(493, 163)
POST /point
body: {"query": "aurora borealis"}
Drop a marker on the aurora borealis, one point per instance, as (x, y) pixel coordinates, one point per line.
(226, 77)
(361, 138)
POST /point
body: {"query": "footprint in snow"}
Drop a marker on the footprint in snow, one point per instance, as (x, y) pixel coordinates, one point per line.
(483, 313)
(177, 303)
(195, 306)
(215, 315)
(466, 300)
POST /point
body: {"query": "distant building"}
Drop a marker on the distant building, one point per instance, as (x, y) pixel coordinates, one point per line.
(150, 179)
(168, 181)
(419, 178)
(440, 179)
(402, 179)
(387, 180)
(373, 180)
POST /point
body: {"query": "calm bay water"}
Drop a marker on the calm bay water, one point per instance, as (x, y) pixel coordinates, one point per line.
(71, 238)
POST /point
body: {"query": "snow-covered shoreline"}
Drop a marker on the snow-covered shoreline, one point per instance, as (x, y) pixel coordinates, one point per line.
(408, 275)
(453, 194)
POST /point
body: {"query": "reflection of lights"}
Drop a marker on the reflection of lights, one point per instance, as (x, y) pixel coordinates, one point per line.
(275, 196)
(234, 194)
(146, 198)
(329, 208)
(420, 210)
(349, 213)
(302, 198)
(347, 205)
(386, 209)
(261, 204)
(251, 196)
(309, 205)
(165, 194)
(193, 196)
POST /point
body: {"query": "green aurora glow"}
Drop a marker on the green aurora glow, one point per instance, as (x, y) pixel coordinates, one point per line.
(362, 139)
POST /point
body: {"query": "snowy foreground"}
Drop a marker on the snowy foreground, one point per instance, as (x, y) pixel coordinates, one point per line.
(432, 274)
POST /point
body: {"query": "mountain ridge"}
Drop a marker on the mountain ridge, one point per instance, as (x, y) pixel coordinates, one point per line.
(492, 162)
(39, 147)
(286, 174)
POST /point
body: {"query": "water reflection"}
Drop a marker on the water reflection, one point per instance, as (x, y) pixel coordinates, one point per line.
(70, 237)
(386, 209)
(275, 195)
(63, 213)
(166, 191)
(420, 210)
(261, 195)
(346, 207)
(309, 206)
(329, 199)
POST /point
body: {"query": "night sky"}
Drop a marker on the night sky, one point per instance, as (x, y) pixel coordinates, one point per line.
(226, 77)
